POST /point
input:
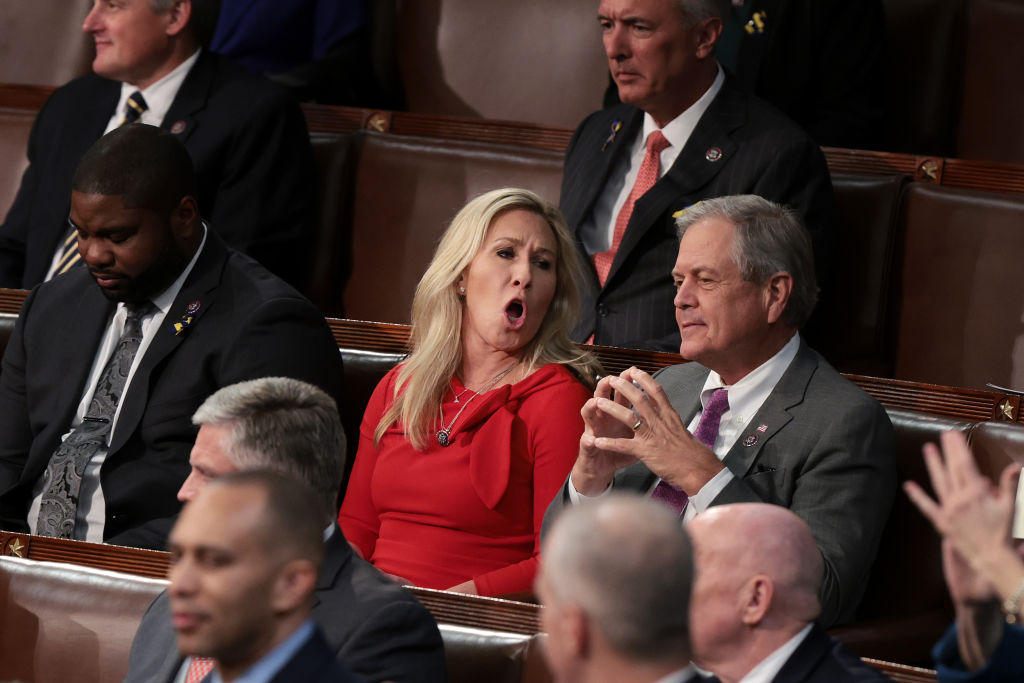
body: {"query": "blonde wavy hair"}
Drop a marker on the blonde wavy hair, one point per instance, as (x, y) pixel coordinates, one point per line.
(436, 339)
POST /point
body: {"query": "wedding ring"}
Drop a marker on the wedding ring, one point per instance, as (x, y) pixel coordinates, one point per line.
(638, 425)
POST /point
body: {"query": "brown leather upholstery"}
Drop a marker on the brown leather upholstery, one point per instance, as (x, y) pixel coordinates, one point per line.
(518, 60)
(906, 606)
(925, 67)
(328, 260)
(65, 623)
(857, 333)
(7, 323)
(15, 125)
(406, 191)
(992, 106)
(43, 41)
(961, 303)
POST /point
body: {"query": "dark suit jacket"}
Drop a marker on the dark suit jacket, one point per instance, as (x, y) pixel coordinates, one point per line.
(826, 454)
(247, 140)
(314, 663)
(822, 659)
(248, 324)
(761, 152)
(1004, 665)
(822, 63)
(373, 625)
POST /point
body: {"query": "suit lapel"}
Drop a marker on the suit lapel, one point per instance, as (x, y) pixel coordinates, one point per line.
(774, 413)
(191, 98)
(200, 286)
(88, 319)
(691, 171)
(337, 554)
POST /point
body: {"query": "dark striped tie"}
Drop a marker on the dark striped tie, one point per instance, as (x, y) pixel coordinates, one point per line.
(69, 257)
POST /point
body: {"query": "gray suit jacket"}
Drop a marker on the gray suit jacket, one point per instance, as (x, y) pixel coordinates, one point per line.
(826, 454)
(374, 626)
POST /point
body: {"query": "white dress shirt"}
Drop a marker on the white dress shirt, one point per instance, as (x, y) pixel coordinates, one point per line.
(745, 398)
(158, 96)
(92, 511)
(598, 227)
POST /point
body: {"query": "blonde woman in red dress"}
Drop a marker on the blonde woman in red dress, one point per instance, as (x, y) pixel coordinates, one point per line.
(464, 444)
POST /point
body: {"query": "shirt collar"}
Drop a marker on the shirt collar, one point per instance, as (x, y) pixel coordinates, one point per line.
(747, 395)
(161, 94)
(678, 130)
(768, 668)
(264, 669)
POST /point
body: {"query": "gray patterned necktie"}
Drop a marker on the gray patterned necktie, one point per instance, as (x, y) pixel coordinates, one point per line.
(63, 478)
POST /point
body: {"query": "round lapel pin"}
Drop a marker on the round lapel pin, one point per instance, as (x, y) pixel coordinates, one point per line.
(192, 308)
(178, 128)
(750, 440)
(713, 154)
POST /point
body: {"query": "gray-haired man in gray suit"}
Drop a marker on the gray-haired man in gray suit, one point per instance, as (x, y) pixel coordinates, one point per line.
(787, 429)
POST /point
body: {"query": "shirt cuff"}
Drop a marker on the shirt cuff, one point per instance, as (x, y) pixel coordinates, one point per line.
(575, 497)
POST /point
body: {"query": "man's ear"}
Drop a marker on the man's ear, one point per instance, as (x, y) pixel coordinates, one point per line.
(294, 584)
(757, 596)
(576, 631)
(178, 17)
(185, 220)
(776, 292)
(707, 33)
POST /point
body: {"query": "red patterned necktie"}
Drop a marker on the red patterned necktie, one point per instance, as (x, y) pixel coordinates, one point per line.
(198, 669)
(645, 179)
(706, 433)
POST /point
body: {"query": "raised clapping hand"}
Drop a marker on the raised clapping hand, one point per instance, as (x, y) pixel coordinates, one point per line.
(973, 516)
(615, 435)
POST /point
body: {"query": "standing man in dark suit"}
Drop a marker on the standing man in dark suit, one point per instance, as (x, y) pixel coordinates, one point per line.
(685, 133)
(108, 362)
(247, 139)
(755, 601)
(759, 416)
(371, 624)
(244, 561)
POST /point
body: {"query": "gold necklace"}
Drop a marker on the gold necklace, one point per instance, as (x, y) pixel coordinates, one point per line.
(443, 435)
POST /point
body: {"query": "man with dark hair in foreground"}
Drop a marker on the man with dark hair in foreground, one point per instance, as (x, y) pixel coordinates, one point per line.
(373, 625)
(244, 560)
(108, 362)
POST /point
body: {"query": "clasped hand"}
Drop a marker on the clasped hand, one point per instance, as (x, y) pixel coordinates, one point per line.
(625, 423)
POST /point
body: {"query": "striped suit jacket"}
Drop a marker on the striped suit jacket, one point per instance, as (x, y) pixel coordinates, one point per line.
(741, 145)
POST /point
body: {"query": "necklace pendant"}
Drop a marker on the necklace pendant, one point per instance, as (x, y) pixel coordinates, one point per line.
(442, 437)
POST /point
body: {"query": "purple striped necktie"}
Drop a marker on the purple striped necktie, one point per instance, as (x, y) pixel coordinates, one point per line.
(706, 433)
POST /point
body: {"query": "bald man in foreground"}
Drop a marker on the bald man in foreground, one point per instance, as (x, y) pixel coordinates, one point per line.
(755, 601)
(615, 584)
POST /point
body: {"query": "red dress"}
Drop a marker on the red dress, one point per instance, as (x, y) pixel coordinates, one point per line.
(473, 509)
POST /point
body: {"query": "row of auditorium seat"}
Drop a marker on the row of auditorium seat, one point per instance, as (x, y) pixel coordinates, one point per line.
(924, 288)
(951, 67)
(906, 606)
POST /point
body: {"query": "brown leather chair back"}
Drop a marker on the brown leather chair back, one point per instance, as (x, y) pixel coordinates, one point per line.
(519, 60)
(925, 67)
(43, 41)
(406, 191)
(961, 301)
(328, 255)
(65, 623)
(15, 125)
(993, 101)
(856, 336)
(893, 621)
